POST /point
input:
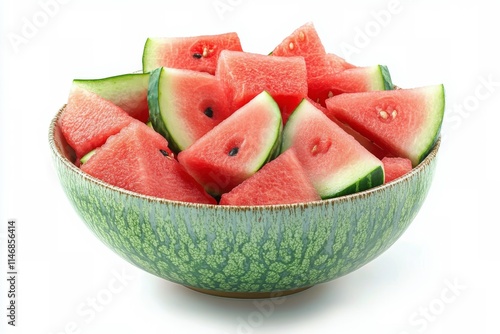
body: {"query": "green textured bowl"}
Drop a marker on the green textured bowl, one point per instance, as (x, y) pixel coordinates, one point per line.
(248, 252)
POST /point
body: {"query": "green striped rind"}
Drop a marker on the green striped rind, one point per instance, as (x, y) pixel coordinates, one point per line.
(435, 99)
(386, 77)
(122, 90)
(372, 179)
(155, 115)
(246, 249)
(149, 59)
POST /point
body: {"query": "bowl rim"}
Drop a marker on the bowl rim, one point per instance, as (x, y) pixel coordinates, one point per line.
(331, 201)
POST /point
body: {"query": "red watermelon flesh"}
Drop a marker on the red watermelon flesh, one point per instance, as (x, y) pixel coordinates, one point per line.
(395, 167)
(237, 148)
(405, 122)
(302, 42)
(367, 143)
(245, 75)
(88, 120)
(334, 161)
(198, 53)
(359, 79)
(138, 159)
(305, 42)
(281, 181)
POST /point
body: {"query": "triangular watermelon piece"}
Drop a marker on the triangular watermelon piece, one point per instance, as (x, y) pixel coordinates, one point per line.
(138, 159)
(88, 120)
(127, 91)
(281, 181)
(333, 160)
(395, 167)
(185, 104)
(245, 75)
(405, 122)
(197, 53)
(236, 148)
(353, 80)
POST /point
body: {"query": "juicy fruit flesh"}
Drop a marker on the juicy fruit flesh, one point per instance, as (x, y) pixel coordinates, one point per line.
(395, 167)
(128, 92)
(244, 142)
(245, 75)
(88, 120)
(199, 53)
(138, 159)
(334, 161)
(281, 181)
(405, 122)
(185, 105)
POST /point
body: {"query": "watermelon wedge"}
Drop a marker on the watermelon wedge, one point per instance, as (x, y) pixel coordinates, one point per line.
(138, 159)
(395, 167)
(128, 91)
(367, 143)
(334, 161)
(405, 122)
(281, 181)
(245, 75)
(198, 53)
(359, 79)
(185, 104)
(236, 148)
(88, 120)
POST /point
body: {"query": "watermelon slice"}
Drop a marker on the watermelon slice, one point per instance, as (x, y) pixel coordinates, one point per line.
(359, 79)
(405, 122)
(185, 105)
(281, 181)
(367, 143)
(334, 161)
(138, 159)
(245, 75)
(236, 148)
(88, 120)
(128, 91)
(395, 167)
(198, 53)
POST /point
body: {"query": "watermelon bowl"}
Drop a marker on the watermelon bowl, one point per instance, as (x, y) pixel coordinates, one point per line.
(244, 252)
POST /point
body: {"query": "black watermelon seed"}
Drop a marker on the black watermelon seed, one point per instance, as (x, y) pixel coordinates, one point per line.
(165, 154)
(209, 112)
(197, 55)
(233, 151)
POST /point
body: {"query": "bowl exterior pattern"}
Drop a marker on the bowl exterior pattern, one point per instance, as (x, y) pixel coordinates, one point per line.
(246, 249)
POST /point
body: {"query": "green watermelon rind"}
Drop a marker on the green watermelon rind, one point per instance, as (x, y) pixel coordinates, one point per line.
(369, 179)
(150, 47)
(119, 89)
(386, 77)
(156, 117)
(431, 136)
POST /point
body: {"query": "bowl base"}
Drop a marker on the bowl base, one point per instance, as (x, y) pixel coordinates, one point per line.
(248, 295)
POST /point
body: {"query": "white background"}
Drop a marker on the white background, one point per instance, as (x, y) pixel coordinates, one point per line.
(452, 242)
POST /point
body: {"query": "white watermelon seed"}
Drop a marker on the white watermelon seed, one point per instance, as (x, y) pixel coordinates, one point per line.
(205, 51)
(301, 36)
(394, 114)
(330, 94)
(383, 114)
(291, 46)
